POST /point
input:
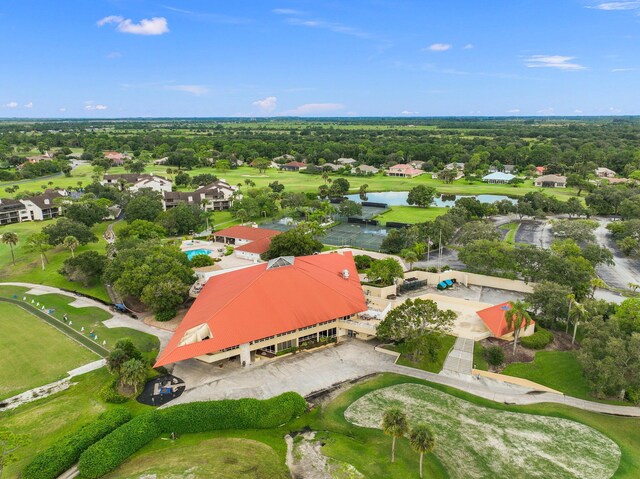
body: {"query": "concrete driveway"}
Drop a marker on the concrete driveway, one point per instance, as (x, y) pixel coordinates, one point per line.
(625, 270)
(304, 372)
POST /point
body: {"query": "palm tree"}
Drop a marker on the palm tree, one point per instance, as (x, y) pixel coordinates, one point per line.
(133, 372)
(516, 318)
(595, 284)
(422, 441)
(11, 239)
(39, 243)
(71, 243)
(363, 192)
(394, 424)
(241, 214)
(410, 256)
(579, 313)
(325, 176)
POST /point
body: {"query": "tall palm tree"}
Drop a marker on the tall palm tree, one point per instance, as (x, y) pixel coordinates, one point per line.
(11, 239)
(133, 372)
(39, 243)
(410, 256)
(325, 176)
(517, 318)
(422, 441)
(394, 424)
(579, 314)
(71, 243)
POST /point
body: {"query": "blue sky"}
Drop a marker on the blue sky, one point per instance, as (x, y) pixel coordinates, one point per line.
(130, 58)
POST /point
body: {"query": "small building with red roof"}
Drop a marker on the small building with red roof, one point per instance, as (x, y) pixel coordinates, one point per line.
(250, 242)
(404, 171)
(269, 308)
(494, 320)
(293, 166)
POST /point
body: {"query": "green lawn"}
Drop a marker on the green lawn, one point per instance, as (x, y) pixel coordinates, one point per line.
(28, 266)
(446, 343)
(558, 370)
(192, 453)
(512, 229)
(479, 362)
(410, 214)
(301, 182)
(34, 353)
(35, 185)
(89, 317)
(49, 419)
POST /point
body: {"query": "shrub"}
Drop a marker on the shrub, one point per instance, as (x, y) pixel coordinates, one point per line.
(494, 355)
(109, 393)
(108, 453)
(55, 460)
(538, 340)
(363, 262)
(163, 316)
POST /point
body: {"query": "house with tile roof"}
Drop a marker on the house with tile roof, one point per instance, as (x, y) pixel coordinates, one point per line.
(216, 196)
(551, 181)
(494, 320)
(269, 308)
(249, 242)
(137, 181)
(403, 171)
(498, 178)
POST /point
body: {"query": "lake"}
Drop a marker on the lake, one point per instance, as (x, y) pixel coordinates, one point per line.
(399, 198)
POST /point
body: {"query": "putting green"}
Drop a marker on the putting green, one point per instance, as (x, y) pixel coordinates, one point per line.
(477, 442)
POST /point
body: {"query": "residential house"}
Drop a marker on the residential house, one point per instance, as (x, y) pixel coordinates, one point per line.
(117, 158)
(137, 181)
(404, 171)
(455, 166)
(551, 181)
(365, 170)
(509, 169)
(43, 207)
(293, 166)
(498, 178)
(331, 167)
(269, 308)
(417, 164)
(215, 196)
(12, 211)
(605, 173)
(284, 158)
(504, 168)
(540, 170)
(346, 161)
(249, 242)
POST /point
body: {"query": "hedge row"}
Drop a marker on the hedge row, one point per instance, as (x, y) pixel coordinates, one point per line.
(108, 453)
(538, 340)
(55, 460)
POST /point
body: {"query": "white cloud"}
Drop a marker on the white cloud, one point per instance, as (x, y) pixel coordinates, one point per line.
(558, 62)
(267, 104)
(546, 111)
(114, 55)
(630, 5)
(29, 105)
(93, 106)
(439, 47)
(196, 90)
(577, 110)
(62, 110)
(514, 110)
(615, 110)
(619, 70)
(286, 11)
(468, 46)
(315, 108)
(332, 26)
(12, 104)
(146, 26)
(408, 113)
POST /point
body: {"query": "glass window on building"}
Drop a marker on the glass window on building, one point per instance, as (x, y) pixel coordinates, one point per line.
(329, 333)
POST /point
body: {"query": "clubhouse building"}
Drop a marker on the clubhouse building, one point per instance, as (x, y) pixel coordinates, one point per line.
(270, 309)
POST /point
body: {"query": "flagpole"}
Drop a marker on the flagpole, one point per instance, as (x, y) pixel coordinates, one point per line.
(439, 250)
(428, 249)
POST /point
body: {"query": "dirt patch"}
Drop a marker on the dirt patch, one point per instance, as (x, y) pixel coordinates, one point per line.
(171, 325)
(306, 461)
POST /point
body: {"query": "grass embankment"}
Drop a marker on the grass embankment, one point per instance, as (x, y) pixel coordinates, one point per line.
(369, 449)
(34, 353)
(410, 214)
(446, 343)
(90, 318)
(479, 362)
(512, 230)
(28, 267)
(237, 454)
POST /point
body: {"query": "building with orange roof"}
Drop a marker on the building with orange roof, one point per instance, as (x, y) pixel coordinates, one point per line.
(269, 308)
(495, 321)
(250, 242)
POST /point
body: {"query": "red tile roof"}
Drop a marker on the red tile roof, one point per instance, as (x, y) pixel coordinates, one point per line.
(246, 233)
(295, 163)
(258, 246)
(493, 318)
(257, 302)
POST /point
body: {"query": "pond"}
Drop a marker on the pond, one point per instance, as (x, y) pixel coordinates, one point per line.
(399, 198)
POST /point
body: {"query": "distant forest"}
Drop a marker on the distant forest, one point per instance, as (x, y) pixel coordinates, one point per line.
(558, 143)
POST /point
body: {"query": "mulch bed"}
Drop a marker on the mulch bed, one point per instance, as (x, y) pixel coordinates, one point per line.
(152, 394)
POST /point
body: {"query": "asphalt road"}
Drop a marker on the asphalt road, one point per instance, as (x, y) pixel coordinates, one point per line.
(625, 270)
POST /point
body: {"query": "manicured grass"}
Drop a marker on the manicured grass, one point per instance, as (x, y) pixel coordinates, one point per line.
(34, 353)
(410, 214)
(369, 449)
(200, 455)
(294, 181)
(81, 173)
(512, 229)
(446, 343)
(479, 362)
(88, 317)
(558, 370)
(476, 441)
(28, 266)
(50, 418)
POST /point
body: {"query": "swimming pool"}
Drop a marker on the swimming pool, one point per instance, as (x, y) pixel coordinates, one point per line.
(195, 252)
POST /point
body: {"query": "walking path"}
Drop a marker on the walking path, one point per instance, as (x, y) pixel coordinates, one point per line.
(460, 358)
